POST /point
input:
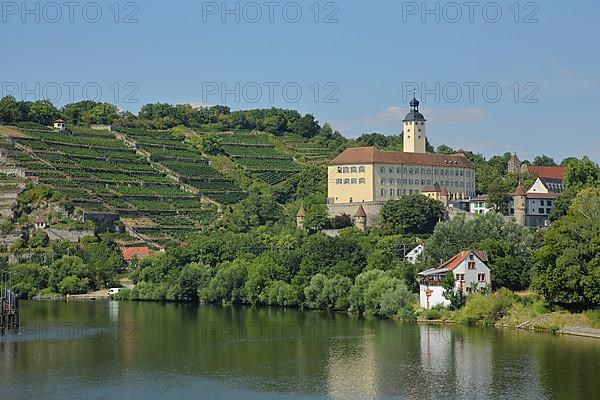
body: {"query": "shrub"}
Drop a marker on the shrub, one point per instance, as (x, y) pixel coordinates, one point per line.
(487, 308)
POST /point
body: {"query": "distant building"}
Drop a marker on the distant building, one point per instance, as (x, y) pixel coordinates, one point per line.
(515, 166)
(371, 177)
(479, 205)
(414, 254)
(549, 179)
(60, 125)
(532, 209)
(132, 254)
(436, 192)
(300, 215)
(469, 270)
(40, 223)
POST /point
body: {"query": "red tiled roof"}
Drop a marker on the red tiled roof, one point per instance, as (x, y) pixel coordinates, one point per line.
(547, 172)
(455, 261)
(360, 212)
(59, 120)
(520, 191)
(138, 252)
(443, 191)
(369, 155)
(481, 197)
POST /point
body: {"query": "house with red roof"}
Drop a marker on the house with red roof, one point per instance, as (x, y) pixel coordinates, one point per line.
(131, 254)
(60, 124)
(470, 273)
(548, 179)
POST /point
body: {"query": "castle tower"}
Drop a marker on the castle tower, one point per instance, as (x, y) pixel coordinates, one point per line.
(360, 219)
(520, 204)
(444, 196)
(514, 165)
(300, 217)
(414, 129)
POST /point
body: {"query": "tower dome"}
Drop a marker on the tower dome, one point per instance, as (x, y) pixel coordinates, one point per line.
(414, 114)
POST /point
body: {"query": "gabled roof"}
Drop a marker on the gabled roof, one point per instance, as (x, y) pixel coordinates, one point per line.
(547, 172)
(59, 120)
(371, 155)
(360, 212)
(452, 263)
(129, 253)
(301, 212)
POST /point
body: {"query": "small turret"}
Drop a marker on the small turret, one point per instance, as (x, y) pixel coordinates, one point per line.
(300, 217)
(360, 219)
(520, 204)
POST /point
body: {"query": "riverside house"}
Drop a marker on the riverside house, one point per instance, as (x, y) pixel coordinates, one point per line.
(469, 270)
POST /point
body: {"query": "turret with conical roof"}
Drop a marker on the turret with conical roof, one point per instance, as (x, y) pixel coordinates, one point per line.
(520, 204)
(360, 218)
(300, 215)
(414, 138)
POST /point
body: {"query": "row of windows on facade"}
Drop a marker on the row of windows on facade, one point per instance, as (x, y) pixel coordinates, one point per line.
(404, 181)
(406, 170)
(429, 171)
(461, 277)
(404, 192)
(541, 211)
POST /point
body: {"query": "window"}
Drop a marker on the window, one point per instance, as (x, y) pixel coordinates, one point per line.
(549, 202)
(338, 181)
(350, 200)
(422, 170)
(346, 170)
(382, 192)
(382, 181)
(339, 170)
(346, 181)
(362, 181)
(541, 202)
(541, 211)
(481, 277)
(361, 169)
(392, 192)
(410, 182)
(410, 170)
(410, 191)
(398, 170)
(548, 210)
(472, 265)
(382, 170)
(392, 181)
(353, 170)
(354, 181)
(399, 192)
(460, 277)
(391, 170)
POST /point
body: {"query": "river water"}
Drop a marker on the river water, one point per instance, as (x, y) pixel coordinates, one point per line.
(111, 350)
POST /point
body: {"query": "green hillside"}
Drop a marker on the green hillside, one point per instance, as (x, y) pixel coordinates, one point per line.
(160, 185)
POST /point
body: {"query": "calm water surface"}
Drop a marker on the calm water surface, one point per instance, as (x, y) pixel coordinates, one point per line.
(111, 350)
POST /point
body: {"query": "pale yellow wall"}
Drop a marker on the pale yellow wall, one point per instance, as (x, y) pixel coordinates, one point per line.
(538, 187)
(410, 183)
(414, 137)
(350, 193)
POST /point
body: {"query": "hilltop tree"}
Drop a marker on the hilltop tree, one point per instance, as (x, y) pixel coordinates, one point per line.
(101, 114)
(74, 112)
(544, 161)
(306, 126)
(43, 112)
(9, 109)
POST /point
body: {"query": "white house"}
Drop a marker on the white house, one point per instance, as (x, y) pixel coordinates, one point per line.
(469, 270)
(479, 205)
(60, 125)
(412, 255)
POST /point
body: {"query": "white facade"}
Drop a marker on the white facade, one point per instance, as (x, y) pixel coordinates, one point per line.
(538, 187)
(412, 255)
(469, 270)
(478, 205)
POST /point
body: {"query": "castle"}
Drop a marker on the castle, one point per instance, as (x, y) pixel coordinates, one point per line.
(366, 177)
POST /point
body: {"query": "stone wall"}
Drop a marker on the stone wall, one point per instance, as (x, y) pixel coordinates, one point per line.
(74, 236)
(373, 209)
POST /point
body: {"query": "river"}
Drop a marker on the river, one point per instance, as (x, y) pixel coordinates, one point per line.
(111, 350)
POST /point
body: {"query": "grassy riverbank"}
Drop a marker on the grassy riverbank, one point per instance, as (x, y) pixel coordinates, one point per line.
(503, 308)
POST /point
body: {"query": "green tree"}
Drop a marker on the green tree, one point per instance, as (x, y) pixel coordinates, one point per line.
(451, 293)
(567, 266)
(43, 112)
(411, 214)
(306, 126)
(544, 161)
(101, 114)
(9, 109)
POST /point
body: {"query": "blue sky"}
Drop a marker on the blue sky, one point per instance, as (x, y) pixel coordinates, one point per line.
(353, 61)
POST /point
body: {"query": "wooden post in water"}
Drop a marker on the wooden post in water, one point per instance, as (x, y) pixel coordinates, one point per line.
(9, 311)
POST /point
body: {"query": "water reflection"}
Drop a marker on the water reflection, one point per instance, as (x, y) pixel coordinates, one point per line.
(167, 350)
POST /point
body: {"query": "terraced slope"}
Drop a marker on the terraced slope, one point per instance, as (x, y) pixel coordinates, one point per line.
(256, 154)
(99, 173)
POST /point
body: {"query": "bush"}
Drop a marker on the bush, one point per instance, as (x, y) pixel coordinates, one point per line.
(435, 313)
(379, 293)
(487, 308)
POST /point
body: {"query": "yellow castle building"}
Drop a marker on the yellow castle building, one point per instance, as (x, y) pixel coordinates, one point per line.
(371, 177)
